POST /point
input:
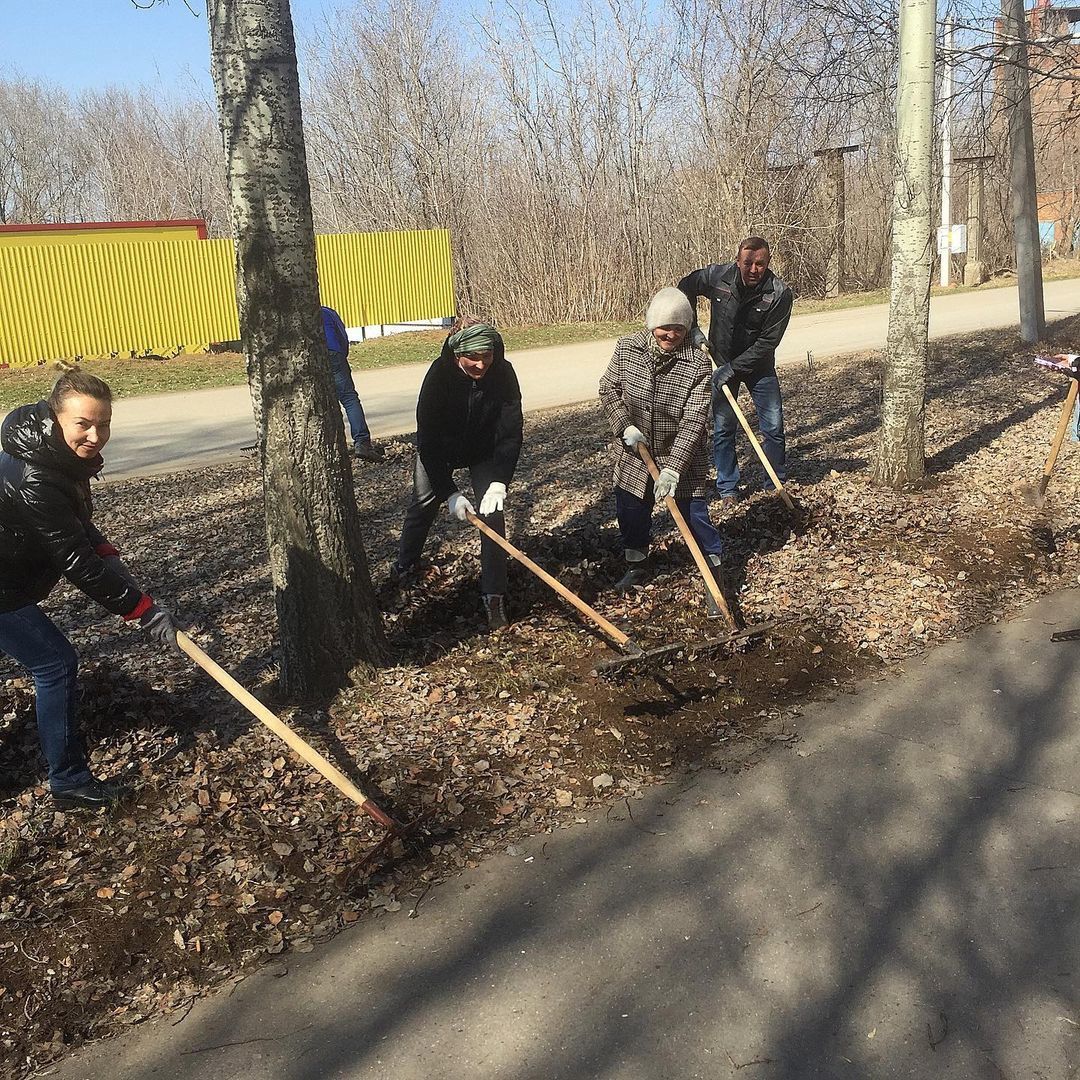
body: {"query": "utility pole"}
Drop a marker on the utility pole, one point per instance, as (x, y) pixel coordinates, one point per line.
(946, 149)
(1022, 189)
(832, 158)
(974, 267)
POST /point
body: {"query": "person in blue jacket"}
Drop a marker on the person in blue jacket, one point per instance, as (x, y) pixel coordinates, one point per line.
(337, 345)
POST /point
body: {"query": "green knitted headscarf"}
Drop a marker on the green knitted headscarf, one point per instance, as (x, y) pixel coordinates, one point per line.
(474, 338)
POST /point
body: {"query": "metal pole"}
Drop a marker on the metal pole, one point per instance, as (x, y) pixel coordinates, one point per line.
(946, 150)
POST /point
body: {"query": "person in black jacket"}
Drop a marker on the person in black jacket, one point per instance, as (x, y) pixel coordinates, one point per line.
(50, 452)
(468, 416)
(749, 312)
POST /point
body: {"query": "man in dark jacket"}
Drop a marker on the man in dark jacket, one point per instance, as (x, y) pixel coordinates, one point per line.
(749, 312)
(337, 345)
(468, 416)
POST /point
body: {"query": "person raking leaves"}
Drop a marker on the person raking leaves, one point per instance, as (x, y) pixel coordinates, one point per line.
(50, 452)
(656, 391)
(469, 416)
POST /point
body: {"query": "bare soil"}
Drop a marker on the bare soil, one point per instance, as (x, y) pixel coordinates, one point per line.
(232, 850)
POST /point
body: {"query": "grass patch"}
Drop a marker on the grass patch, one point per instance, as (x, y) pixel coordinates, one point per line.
(130, 377)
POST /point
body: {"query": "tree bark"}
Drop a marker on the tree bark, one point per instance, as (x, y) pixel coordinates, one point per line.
(901, 448)
(327, 617)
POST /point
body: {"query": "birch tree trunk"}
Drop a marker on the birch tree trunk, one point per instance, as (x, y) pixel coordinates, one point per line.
(327, 617)
(901, 448)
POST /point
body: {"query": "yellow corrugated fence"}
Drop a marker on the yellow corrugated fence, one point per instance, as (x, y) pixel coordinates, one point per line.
(76, 300)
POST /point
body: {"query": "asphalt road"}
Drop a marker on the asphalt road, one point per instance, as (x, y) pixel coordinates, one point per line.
(892, 896)
(169, 432)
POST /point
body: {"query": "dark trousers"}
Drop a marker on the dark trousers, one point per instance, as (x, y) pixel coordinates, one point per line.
(31, 638)
(765, 393)
(425, 507)
(347, 395)
(635, 521)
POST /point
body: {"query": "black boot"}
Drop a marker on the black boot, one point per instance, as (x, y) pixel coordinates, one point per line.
(495, 610)
(365, 451)
(92, 795)
(638, 572)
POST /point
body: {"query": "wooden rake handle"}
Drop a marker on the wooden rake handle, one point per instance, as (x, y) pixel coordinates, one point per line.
(609, 628)
(741, 417)
(691, 542)
(1059, 435)
(283, 731)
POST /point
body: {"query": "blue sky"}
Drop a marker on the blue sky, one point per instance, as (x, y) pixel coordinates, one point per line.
(82, 44)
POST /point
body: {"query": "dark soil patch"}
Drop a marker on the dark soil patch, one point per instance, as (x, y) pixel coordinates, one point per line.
(232, 850)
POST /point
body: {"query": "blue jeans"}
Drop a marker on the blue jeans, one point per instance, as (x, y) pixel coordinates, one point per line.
(635, 521)
(765, 393)
(31, 638)
(350, 400)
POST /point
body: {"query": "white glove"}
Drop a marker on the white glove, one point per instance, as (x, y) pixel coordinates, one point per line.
(459, 506)
(632, 436)
(493, 499)
(666, 483)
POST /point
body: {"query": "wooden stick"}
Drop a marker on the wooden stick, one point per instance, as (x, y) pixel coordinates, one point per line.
(609, 628)
(1059, 437)
(283, 731)
(741, 416)
(691, 542)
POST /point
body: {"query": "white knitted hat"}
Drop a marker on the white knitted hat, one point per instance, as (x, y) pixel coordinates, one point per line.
(669, 307)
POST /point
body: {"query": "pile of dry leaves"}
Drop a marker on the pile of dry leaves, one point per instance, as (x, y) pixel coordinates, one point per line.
(232, 849)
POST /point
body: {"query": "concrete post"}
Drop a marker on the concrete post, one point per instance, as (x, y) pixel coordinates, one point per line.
(974, 268)
(833, 162)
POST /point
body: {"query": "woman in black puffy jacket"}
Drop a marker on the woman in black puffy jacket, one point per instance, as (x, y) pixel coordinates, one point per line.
(50, 451)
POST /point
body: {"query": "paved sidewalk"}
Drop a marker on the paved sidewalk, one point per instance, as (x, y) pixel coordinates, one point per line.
(169, 432)
(896, 895)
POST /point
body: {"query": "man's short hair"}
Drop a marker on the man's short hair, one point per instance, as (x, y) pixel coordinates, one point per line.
(754, 243)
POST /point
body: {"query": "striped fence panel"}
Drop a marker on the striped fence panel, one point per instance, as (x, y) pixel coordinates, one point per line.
(158, 297)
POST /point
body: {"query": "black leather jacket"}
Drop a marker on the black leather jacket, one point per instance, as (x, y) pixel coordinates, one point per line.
(745, 325)
(46, 531)
(462, 421)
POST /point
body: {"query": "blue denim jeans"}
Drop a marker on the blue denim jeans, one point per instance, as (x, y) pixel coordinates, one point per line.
(31, 638)
(347, 395)
(765, 393)
(635, 521)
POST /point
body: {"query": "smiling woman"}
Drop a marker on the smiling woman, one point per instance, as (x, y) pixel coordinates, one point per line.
(50, 452)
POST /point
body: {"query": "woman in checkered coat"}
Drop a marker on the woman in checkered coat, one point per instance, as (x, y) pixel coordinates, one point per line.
(656, 391)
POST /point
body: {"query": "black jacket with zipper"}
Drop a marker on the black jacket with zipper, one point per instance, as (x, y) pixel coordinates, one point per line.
(462, 421)
(46, 526)
(745, 325)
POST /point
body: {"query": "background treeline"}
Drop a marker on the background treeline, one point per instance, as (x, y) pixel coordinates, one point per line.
(580, 155)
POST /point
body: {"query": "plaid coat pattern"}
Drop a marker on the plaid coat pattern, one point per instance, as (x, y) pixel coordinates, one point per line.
(668, 399)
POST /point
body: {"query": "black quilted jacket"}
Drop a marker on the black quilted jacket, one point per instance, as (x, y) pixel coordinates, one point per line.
(46, 531)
